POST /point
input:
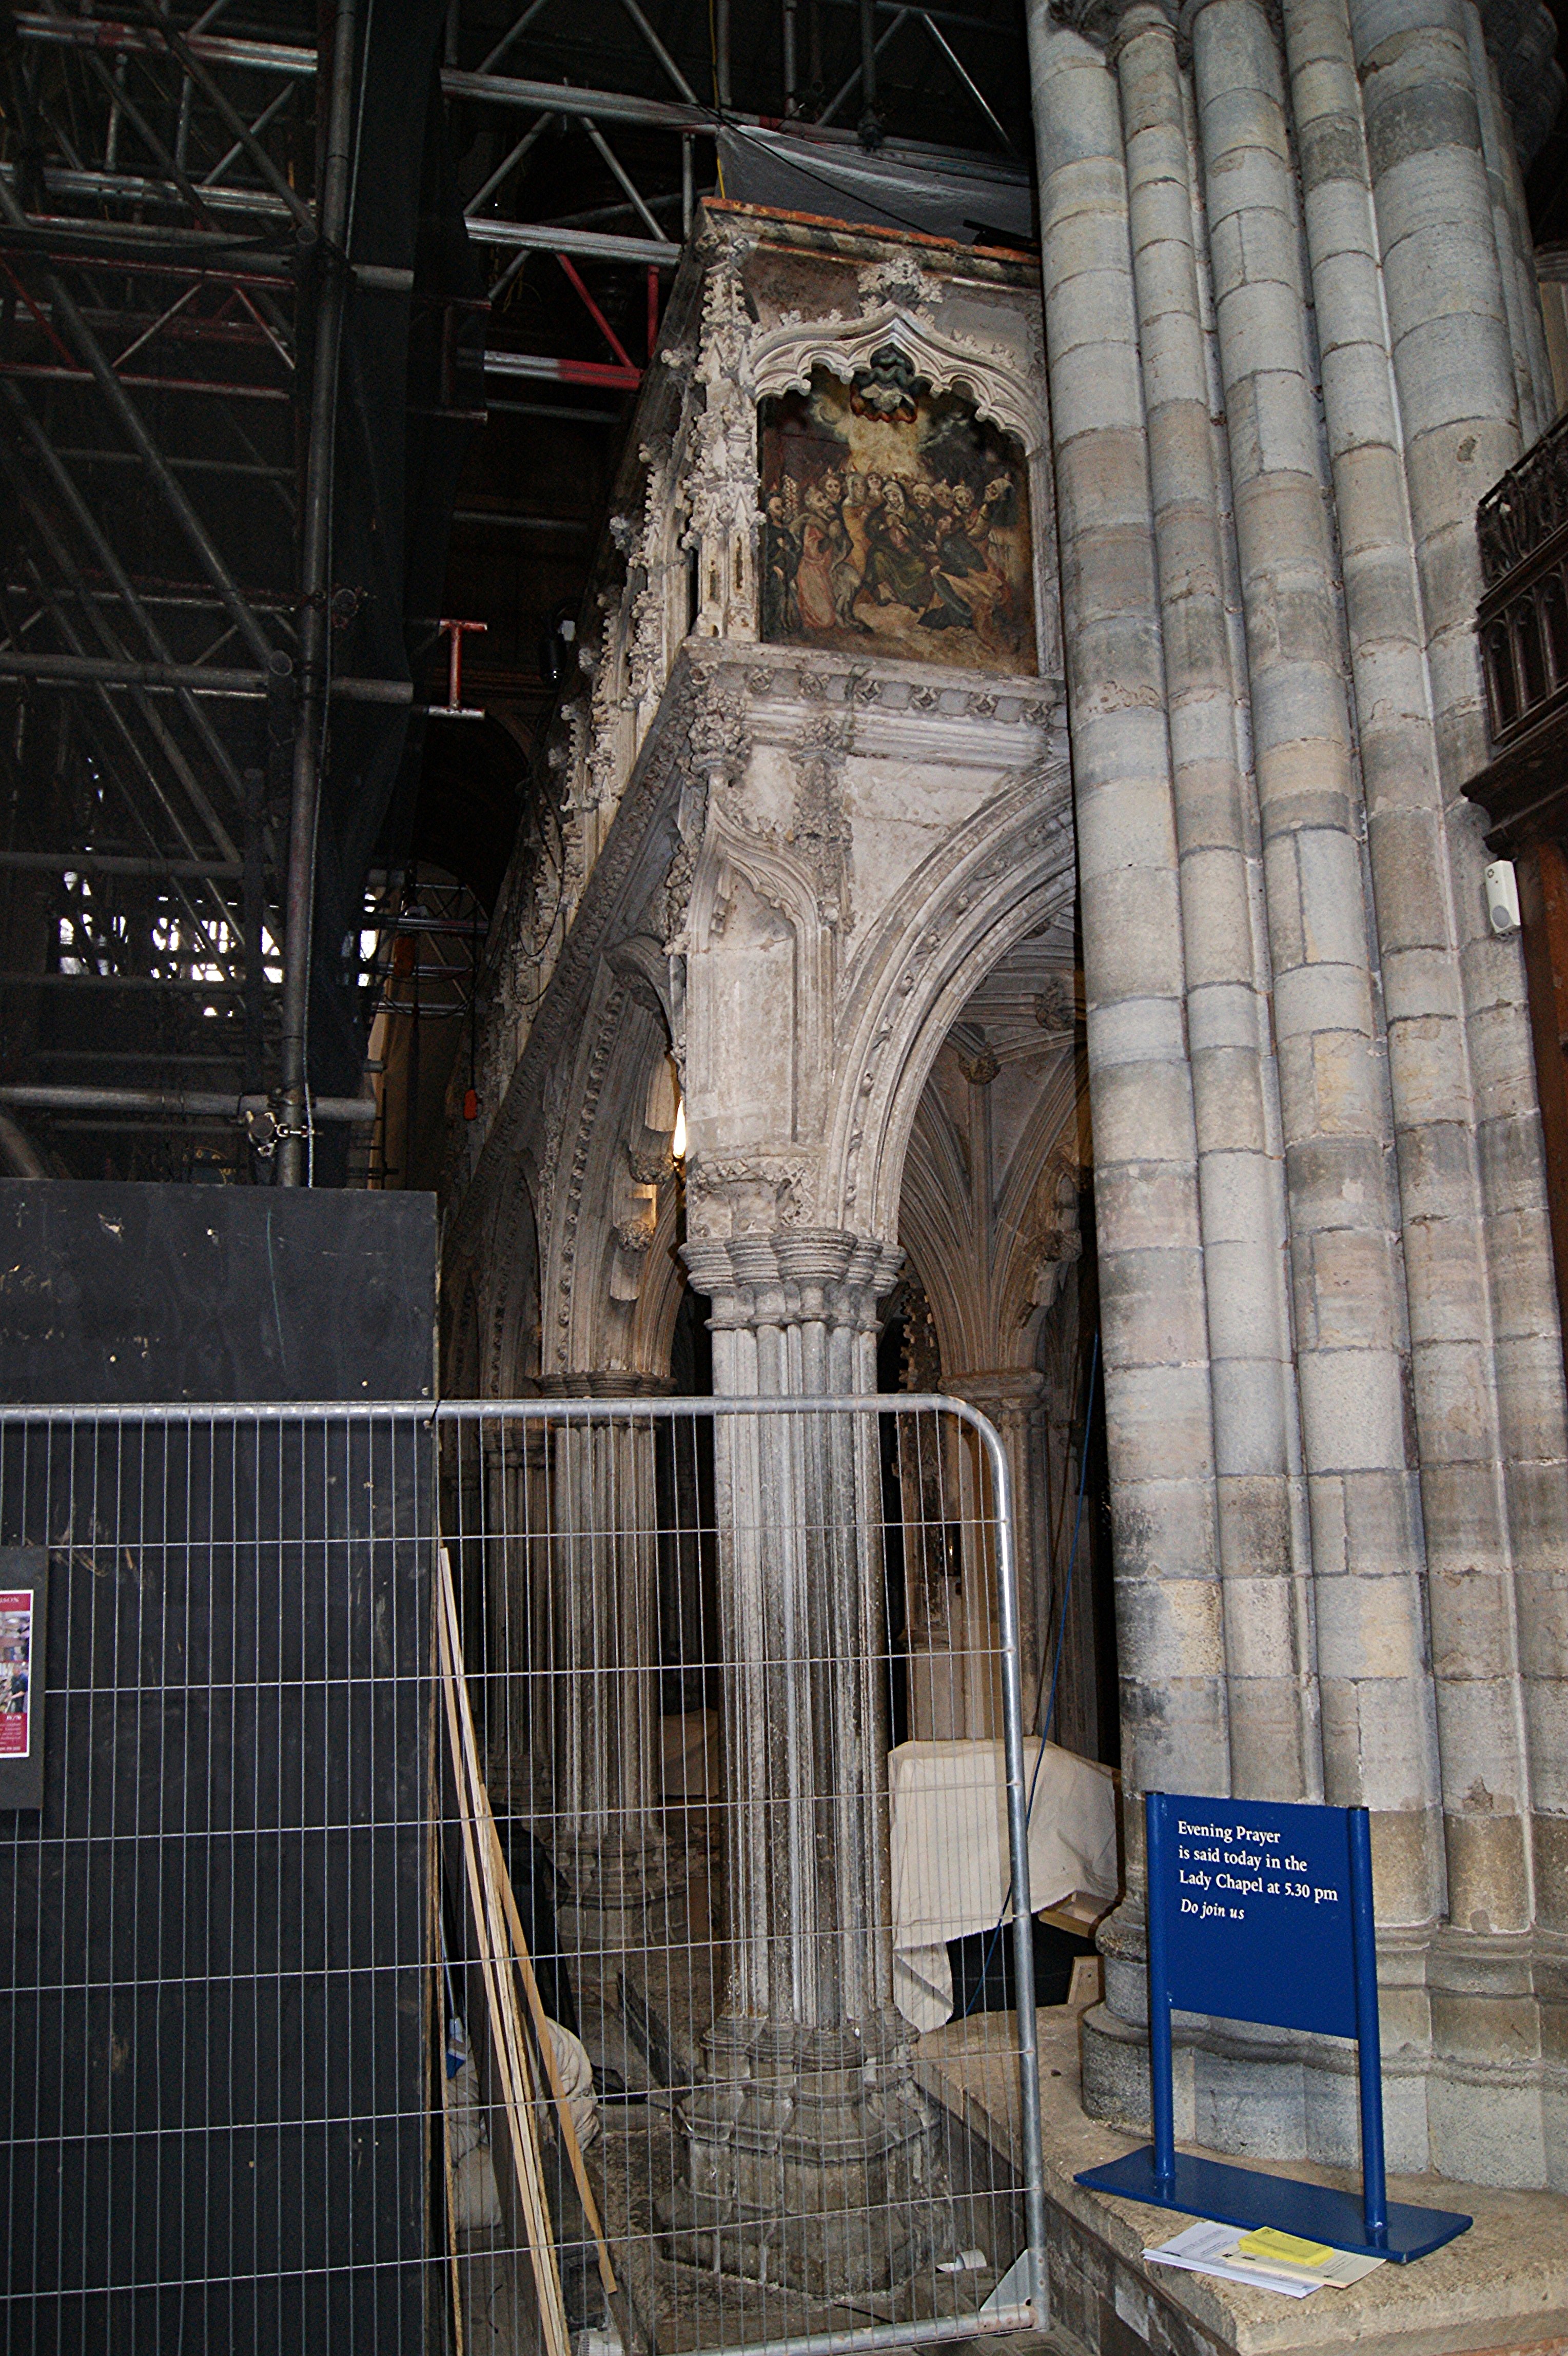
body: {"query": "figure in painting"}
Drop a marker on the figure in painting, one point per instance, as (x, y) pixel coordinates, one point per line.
(820, 585)
(894, 515)
(780, 556)
(898, 566)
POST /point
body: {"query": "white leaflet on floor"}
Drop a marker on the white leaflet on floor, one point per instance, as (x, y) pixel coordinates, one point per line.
(1204, 2248)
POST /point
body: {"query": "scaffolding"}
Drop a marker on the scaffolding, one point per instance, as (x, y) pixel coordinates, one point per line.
(221, 337)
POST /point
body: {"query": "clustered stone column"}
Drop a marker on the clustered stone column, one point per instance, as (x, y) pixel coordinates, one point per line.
(1293, 336)
(1010, 1399)
(808, 2147)
(1259, 1493)
(1159, 1412)
(600, 1663)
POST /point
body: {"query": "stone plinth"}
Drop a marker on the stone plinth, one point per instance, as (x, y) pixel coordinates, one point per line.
(1502, 2288)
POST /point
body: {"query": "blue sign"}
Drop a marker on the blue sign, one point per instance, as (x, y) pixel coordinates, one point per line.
(1262, 1910)
(1257, 1914)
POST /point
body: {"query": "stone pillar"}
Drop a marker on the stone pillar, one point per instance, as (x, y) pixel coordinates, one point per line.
(1419, 939)
(1275, 1747)
(808, 2146)
(1010, 1399)
(1169, 1605)
(1379, 1739)
(603, 1670)
(513, 1460)
(1515, 243)
(1427, 92)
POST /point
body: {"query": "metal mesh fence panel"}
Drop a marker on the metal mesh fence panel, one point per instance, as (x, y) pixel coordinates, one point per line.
(744, 1688)
(514, 1872)
(214, 2017)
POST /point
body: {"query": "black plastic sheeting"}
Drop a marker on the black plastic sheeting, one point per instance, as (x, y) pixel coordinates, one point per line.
(835, 179)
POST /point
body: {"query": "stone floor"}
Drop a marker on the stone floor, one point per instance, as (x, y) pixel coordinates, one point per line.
(1502, 2288)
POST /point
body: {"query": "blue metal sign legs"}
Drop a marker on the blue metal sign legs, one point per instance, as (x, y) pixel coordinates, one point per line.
(1263, 1913)
(1370, 2048)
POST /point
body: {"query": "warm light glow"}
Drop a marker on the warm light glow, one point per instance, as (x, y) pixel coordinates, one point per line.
(678, 1141)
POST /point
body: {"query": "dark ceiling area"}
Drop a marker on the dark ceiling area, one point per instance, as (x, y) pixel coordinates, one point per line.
(322, 327)
(1546, 186)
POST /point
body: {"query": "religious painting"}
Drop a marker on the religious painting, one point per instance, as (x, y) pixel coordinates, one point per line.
(895, 523)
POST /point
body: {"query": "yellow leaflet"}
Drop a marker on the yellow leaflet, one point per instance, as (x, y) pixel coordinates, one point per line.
(1267, 2243)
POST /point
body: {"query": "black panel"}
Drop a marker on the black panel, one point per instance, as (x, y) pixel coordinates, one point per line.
(213, 2034)
(129, 1292)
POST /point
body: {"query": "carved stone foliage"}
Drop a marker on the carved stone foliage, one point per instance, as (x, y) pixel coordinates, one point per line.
(718, 738)
(741, 1195)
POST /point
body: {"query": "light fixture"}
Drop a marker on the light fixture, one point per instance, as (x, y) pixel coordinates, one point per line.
(678, 1137)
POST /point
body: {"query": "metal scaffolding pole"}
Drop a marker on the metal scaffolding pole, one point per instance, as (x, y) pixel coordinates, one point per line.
(314, 631)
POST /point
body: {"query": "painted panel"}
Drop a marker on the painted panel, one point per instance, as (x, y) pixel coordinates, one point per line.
(895, 523)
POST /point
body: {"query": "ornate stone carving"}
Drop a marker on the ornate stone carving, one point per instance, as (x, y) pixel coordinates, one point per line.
(781, 358)
(651, 1168)
(821, 833)
(721, 480)
(571, 1203)
(758, 1192)
(604, 759)
(978, 1069)
(1057, 1007)
(1017, 849)
(718, 738)
(898, 282)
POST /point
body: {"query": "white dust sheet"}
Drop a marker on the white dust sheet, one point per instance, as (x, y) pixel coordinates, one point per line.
(949, 1851)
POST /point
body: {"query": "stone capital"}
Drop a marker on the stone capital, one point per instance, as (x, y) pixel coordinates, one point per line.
(793, 1276)
(1109, 22)
(616, 1383)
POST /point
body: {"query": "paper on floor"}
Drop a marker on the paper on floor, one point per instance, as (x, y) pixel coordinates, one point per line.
(1266, 2259)
(1286, 2254)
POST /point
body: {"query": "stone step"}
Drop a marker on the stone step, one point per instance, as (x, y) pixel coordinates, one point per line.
(1501, 2289)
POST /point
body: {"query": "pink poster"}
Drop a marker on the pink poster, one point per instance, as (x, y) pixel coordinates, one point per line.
(15, 1670)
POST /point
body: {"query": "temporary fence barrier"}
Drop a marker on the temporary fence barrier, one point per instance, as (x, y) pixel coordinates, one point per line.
(744, 1677)
(504, 1873)
(215, 1933)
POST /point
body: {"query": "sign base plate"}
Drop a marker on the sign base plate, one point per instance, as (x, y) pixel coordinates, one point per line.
(1246, 2197)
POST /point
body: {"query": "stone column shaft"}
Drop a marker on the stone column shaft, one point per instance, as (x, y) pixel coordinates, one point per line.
(1378, 1730)
(1276, 1744)
(1457, 389)
(1010, 1399)
(604, 1668)
(1169, 1604)
(1515, 244)
(1470, 1590)
(807, 2140)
